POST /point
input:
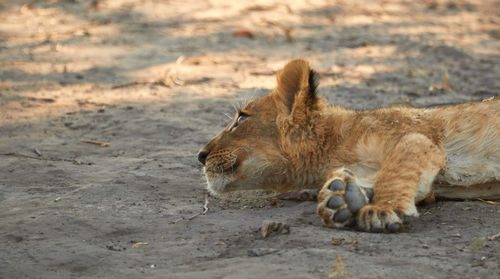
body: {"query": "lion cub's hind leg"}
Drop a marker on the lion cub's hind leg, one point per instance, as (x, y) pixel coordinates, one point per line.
(340, 199)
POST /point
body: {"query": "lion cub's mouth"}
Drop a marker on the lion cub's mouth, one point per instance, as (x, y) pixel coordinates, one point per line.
(222, 164)
(219, 173)
(219, 177)
(231, 169)
(224, 168)
(219, 170)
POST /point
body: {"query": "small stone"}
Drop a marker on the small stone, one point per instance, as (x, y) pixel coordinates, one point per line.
(269, 226)
(257, 252)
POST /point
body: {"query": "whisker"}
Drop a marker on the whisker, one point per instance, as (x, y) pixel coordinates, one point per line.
(236, 107)
(228, 116)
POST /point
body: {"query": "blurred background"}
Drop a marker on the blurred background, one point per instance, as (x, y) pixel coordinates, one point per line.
(77, 51)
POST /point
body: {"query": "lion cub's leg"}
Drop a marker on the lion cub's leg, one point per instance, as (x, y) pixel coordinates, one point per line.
(406, 177)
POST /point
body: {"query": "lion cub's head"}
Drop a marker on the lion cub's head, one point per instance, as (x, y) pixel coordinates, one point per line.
(261, 147)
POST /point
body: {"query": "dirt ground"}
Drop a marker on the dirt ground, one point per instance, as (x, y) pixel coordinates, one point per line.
(154, 79)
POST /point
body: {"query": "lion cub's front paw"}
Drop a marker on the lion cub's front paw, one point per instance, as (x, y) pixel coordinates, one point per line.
(340, 199)
(380, 218)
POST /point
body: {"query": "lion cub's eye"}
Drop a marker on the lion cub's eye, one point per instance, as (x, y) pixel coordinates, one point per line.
(239, 120)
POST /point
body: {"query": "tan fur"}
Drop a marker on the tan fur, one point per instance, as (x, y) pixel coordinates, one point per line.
(292, 140)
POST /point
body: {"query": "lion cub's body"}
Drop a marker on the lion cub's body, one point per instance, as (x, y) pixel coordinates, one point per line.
(467, 134)
(291, 139)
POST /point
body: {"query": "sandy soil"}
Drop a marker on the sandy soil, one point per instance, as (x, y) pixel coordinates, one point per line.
(154, 80)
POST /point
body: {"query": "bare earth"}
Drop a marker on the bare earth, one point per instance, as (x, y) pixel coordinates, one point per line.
(154, 80)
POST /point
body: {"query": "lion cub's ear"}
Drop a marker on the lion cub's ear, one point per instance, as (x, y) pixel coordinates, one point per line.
(297, 86)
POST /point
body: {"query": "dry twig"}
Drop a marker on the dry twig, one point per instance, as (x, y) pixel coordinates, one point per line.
(287, 31)
(444, 87)
(488, 202)
(203, 212)
(338, 269)
(494, 237)
(100, 143)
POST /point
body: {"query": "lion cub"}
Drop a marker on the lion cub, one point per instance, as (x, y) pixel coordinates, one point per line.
(372, 166)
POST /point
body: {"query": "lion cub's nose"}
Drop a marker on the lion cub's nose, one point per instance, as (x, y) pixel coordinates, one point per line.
(202, 156)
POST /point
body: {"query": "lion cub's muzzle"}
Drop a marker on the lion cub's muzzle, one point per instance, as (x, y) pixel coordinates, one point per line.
(219, 162)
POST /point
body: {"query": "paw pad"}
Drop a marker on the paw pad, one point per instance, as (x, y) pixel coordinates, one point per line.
(342, 216)
(336, 185)
(354, 199)
(335, 202)
(340, 199)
